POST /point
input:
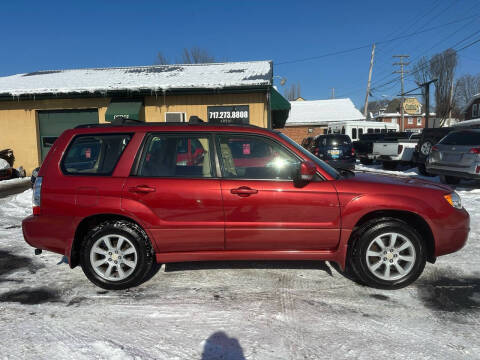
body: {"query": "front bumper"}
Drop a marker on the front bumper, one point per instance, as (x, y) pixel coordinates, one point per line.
(449, 239)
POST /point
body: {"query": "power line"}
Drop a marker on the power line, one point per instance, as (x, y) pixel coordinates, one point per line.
(345, 51)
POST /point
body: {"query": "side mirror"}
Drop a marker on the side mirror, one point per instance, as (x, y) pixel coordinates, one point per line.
(305, 173)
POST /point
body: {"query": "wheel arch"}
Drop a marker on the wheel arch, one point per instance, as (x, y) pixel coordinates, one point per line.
(415, 220)
(88, 223)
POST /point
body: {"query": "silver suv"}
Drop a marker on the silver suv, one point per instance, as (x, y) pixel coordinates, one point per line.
(456, 156)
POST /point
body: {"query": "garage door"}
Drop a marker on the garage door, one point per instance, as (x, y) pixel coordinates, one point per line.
(52, 123)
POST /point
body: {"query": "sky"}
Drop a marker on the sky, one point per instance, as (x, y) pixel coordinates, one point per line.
(295, 35)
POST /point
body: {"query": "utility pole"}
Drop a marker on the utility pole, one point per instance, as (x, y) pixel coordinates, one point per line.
(333, 93)
(402, 71)
(426, 86)
(365, 108)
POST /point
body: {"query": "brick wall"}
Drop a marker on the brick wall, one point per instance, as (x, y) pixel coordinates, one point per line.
(298, 133)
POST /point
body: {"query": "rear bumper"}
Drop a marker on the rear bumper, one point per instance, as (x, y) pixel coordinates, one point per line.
(448, 172)
(36, 234)
(449, 240)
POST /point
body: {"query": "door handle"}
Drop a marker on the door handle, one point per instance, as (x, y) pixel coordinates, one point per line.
(141, 189)
(243, 191)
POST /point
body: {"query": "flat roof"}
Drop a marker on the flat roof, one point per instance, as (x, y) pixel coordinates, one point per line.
(322, 112)
(156, 78)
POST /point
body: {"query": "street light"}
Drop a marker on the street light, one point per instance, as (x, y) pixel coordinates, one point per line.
(282, 79)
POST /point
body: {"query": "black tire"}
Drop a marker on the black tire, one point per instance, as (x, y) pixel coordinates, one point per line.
(366, 161)
(422, 170)
(426, 146)
(145, 257)
(363, 238)
(451, 180)
(389, 165)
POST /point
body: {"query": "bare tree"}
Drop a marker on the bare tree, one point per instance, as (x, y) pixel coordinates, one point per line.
(196, 55)
(466, 87)
(442, 67)
(161, 59)
(293, 92)
(375, 106)
(421, 73)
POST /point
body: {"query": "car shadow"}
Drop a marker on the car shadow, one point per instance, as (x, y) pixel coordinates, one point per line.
(448, 293)
(275, 264)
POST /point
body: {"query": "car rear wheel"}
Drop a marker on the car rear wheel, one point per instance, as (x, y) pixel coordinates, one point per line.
(117, 255)
(451, 180)
(426, 147)
(388, 255)
(389, 165)
(366, 161)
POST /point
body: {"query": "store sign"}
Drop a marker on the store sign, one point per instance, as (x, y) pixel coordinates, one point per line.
(237, 114)
(412, 106)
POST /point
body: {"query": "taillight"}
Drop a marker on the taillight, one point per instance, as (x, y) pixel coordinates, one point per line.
(434, 148)
(400, 148)
(36, 196)
(353, 152)
(316, 151)
(474, 151)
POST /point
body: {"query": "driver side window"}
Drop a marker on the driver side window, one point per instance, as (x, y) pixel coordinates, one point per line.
(253, 157)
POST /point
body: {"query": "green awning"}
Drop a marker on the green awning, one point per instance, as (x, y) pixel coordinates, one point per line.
(280, 109)
(123, 109)
(277, 101)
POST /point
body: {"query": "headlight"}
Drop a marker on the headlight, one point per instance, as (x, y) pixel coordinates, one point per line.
(454, 200)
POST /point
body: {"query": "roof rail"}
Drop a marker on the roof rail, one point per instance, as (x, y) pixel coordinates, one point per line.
(160, 124)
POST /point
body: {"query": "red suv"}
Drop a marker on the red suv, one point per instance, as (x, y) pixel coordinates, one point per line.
(119, 199)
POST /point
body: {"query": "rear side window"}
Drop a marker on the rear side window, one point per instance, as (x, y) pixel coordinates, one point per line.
(462, 138)
(94, 154)
(168, 155)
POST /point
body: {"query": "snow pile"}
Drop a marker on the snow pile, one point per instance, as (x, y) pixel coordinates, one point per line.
(149, 78)
(14, 209)
(4, 164)
(320, 112)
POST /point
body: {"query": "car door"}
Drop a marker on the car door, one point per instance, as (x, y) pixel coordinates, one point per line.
(176, 190)
(264, 210)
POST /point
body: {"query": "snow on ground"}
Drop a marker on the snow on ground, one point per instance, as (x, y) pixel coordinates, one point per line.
(235, 310)
(11, 183)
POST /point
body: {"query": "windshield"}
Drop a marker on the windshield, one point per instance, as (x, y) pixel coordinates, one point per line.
(327, 168)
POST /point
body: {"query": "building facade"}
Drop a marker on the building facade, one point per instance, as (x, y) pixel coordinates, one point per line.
(311, 117)
(36, 108)
(472, 110)
(413, 118)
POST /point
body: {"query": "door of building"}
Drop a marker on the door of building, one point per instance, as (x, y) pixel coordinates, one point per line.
(53, 122)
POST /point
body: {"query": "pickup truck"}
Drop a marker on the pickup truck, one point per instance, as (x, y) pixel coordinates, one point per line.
(364, 147)
(392, 152)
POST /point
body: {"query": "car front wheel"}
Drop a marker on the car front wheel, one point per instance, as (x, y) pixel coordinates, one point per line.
(117, 255)
(388, 255)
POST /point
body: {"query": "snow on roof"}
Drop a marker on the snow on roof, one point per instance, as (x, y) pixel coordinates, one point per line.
(136, 78)
(320, 112)
(470, 102)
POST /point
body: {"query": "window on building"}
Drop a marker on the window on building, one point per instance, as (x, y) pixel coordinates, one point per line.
(410, 121)
(325, 131)
(176, 156)
(354, 133)
(419, 121)
(394, 120)
(94, 155)
(175, 117)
